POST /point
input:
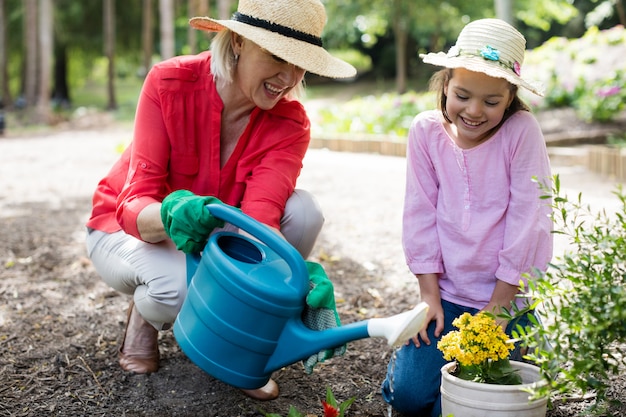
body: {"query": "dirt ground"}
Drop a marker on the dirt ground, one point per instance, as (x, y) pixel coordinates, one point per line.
(60, 325)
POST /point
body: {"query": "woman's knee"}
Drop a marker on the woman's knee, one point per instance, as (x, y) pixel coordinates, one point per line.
(160, 309)
(302, 221)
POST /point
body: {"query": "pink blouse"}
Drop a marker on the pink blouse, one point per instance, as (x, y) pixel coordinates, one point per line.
(475, 215)
(176, 145)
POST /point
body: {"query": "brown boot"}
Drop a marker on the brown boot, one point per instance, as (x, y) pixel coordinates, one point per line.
(139, 351)
(267, 392)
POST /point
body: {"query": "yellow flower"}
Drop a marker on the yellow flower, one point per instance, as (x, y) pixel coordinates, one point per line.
(478, 344)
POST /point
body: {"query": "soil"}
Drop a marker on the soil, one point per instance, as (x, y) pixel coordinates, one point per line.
(60, 325)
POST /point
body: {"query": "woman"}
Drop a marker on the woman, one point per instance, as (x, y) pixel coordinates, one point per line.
(219, 126)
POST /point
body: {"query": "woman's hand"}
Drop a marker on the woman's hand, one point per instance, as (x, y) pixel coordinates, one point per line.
(187, 221)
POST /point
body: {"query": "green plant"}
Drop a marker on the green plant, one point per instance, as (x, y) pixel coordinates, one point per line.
(563, 94)
(331, 407)
(581, 302)
(603, 100)
(386, 114)
(481, 349)
(580, 73)
(617, 140)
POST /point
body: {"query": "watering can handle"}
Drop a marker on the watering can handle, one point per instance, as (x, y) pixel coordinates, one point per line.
(264, 234)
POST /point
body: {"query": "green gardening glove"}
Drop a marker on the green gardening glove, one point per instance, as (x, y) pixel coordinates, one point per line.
(320, 312)
(187, 221)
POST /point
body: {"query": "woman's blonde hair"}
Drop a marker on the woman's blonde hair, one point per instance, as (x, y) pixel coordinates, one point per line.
(441, 78)
(224, 62)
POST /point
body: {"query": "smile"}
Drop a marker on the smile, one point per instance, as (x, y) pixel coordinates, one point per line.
(273, 90)
(471, 123)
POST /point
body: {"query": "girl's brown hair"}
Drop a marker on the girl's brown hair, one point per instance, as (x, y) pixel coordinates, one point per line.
(441, 78)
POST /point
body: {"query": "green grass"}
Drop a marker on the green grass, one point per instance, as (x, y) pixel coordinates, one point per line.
(94, 95)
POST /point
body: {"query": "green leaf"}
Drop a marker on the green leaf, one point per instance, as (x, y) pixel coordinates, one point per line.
(294, 413)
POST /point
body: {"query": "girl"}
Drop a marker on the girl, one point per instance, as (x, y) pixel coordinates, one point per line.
(473, 221)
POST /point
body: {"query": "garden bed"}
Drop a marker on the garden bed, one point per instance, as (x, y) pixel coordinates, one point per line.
(61, 325)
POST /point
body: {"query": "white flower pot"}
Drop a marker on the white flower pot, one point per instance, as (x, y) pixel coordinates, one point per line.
(460, 398)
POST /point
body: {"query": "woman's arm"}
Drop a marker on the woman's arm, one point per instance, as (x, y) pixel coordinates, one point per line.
(150, 225)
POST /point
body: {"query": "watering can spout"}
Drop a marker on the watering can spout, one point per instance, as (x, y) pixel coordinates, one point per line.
(242, 317)
(298, 342)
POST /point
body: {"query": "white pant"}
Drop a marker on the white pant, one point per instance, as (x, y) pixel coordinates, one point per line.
(156, 274)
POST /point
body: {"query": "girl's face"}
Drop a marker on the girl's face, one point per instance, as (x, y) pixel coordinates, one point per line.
(262, 77)
(475, 103)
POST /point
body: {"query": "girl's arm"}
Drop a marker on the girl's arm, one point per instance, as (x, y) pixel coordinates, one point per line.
(502, 296)
(430, 294)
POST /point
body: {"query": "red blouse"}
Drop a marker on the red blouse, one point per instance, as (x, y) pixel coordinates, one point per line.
(176, 145)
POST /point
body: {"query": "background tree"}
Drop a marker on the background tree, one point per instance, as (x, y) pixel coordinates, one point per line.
(5, 93)
(606, 9)
(109, 51)
(386, 35)
(504, 10)
(30, 46)
(621, 13)
(147, 32)
(224, 9)
(400, 23)
(44, 113)
(196, 8)
(166, 25)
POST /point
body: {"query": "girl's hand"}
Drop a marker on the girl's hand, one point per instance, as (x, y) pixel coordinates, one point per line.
(502, 297)
(429, 291)
(435, 313)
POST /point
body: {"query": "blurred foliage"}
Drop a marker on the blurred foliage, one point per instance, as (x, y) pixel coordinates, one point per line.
(359, 31)
(587, 73)
(387, 114)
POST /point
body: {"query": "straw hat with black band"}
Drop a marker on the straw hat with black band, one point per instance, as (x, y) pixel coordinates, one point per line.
(490, 46)
(289, 29)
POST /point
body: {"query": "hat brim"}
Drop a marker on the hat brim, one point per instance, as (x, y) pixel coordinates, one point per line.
(309, 57)
(480, 64)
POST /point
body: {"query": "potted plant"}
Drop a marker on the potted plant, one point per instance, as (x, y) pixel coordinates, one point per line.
(481, 380)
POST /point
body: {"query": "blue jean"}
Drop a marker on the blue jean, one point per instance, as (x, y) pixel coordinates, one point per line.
(416, 372)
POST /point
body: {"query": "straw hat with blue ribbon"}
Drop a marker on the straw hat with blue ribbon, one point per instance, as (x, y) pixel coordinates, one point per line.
(490, 46)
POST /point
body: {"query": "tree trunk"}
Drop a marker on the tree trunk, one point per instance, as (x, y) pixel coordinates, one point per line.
(46, 45)
(61, 91)
(619, 5)
(400, 28)
(223, 7)
(109, 50)
(196, 8)
(401, 36)
(5, 93)
(166, 24)
(29, 87)
(147, 40)
(504, 10)
(192, 6)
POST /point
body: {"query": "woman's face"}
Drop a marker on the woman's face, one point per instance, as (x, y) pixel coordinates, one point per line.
(262, 77)
(475, 104)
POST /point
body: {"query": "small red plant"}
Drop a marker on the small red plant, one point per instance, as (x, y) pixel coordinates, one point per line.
(331, 408)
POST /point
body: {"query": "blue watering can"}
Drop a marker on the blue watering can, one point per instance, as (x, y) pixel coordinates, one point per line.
(241, 319)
